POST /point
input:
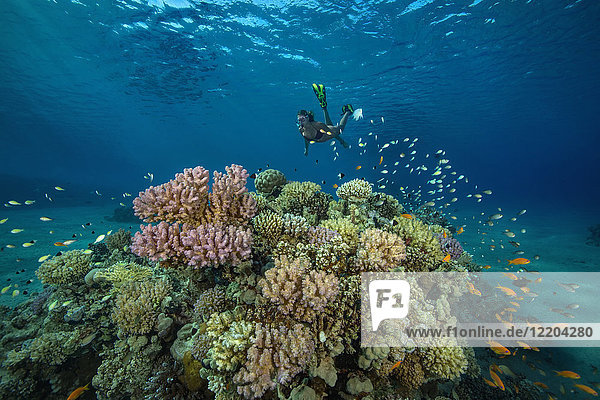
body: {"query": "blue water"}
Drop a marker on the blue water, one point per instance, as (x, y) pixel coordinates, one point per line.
(96, 94)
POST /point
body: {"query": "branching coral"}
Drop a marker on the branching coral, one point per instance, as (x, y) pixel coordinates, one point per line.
(277, 355)
(298, 292)
(212, 300)
(137, 305)
(210, 244)
(422, 248)
(269, 227)
(379, 251)
(186, 199)
(183, 199)
(445, 362)
(69, 267)
(345, 228)
(355, 191)
(159, 242)
(449, 245)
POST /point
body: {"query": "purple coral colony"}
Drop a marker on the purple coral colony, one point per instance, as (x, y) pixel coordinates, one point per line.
(227, 294)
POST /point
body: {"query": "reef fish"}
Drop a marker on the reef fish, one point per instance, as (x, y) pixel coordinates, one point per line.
(568, 374)
(518, 261)
(586, 389)
(78, 392)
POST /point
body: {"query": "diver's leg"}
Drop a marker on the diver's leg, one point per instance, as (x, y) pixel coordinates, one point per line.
(305, 146)
(344, 119)
(342, 142)
(327, 117)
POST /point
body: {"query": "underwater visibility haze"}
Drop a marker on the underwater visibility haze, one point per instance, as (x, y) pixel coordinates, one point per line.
(472, 140)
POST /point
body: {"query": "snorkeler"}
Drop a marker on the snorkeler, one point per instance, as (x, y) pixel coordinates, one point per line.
(315, 131)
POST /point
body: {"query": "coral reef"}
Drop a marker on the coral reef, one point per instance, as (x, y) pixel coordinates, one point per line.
(233, 295)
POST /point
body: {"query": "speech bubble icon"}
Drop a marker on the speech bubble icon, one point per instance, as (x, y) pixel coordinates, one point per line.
(389, 300)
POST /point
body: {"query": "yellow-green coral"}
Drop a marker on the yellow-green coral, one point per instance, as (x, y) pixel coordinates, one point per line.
(379, 251)
(345, 228)
(355, 191)
(230, 336)
(269, 227)
(69, 267)
(445, 362)
(137, 305)
(267, 180)
(300, 191)
(423, 251)
(121, 273)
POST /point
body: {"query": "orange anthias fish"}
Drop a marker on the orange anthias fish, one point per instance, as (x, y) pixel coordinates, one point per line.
(358, 167)
(380, 160)
(461, 230)
(447, 258)
(396, 365)
(541, 384)
(518, 261)
(586, 389)
(498, 348)
(473, 289)
(78, 392)
(568, 374)
(59, 244)
(407, 216)
(497, 380)
(507, 291)
(511, 276)
(335, 185)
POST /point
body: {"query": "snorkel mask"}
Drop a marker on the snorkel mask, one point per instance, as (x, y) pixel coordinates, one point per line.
(304, 116)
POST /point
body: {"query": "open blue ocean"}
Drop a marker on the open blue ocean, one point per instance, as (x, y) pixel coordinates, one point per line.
(476, 121)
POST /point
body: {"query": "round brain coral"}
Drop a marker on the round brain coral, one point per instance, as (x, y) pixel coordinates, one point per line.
(267, 180)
